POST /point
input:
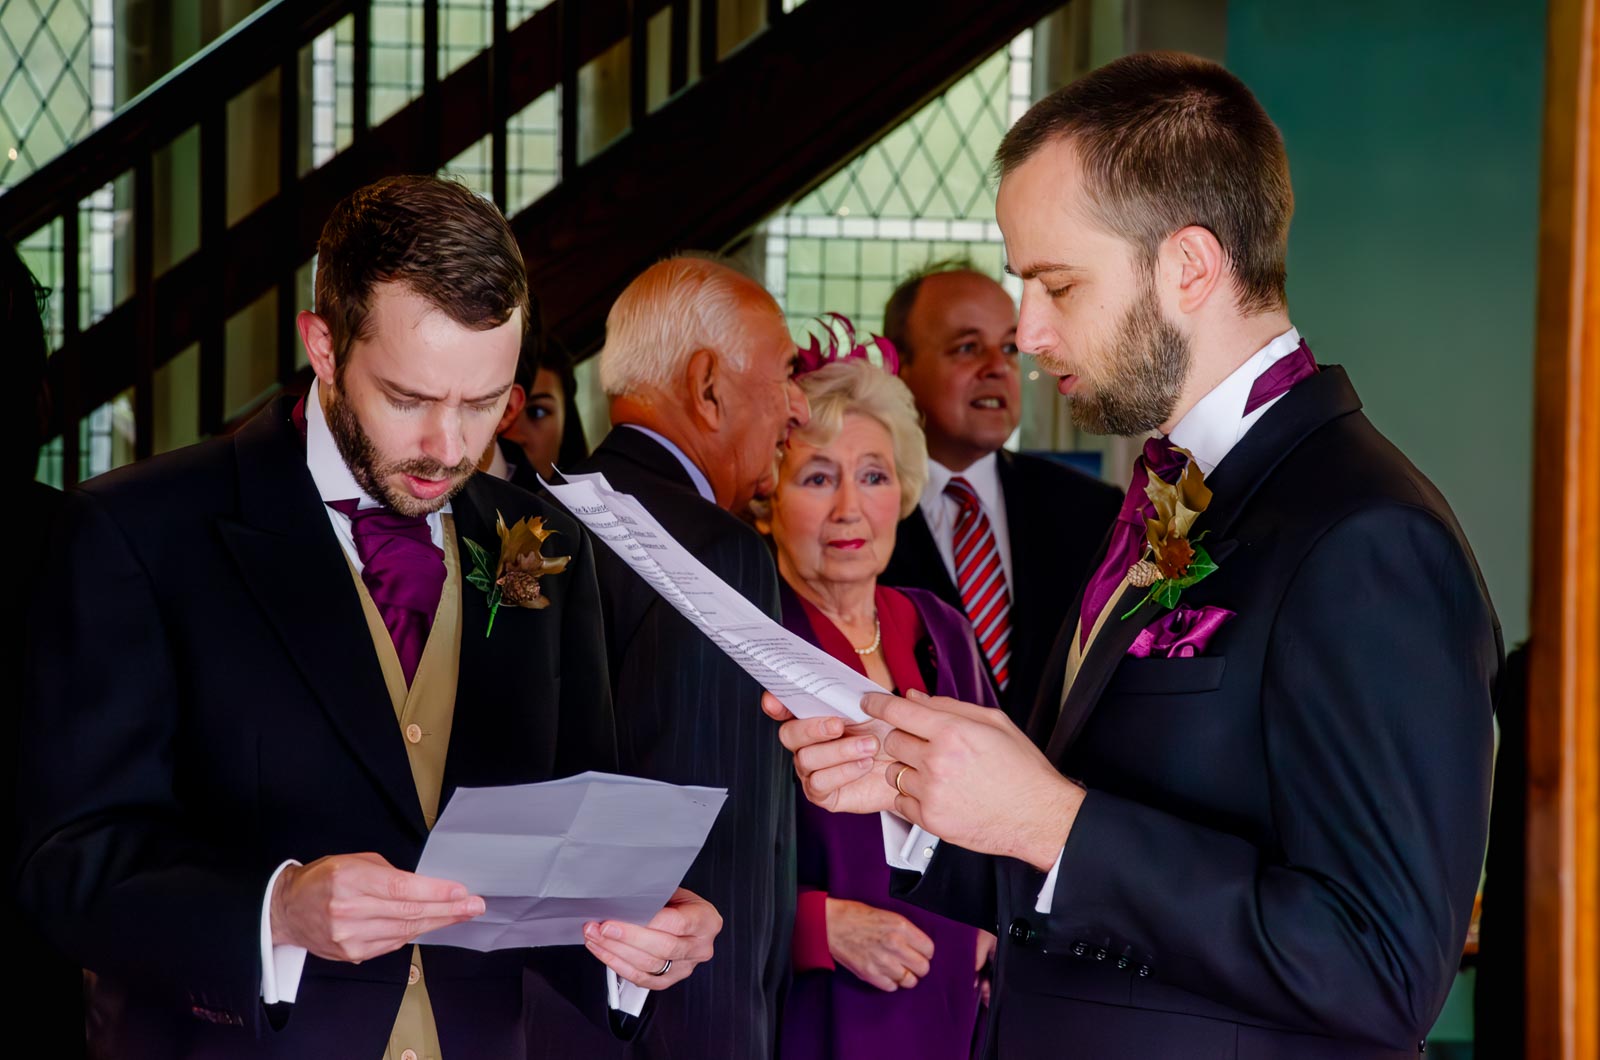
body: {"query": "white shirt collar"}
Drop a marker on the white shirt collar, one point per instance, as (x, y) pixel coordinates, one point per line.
(701, 483)
(1216, 423)
(983, 475)
(939, 510)
(328, 469)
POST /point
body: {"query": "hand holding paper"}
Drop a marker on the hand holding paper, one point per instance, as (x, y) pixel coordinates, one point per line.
(665, 950)
(550, 858)
(842, 768)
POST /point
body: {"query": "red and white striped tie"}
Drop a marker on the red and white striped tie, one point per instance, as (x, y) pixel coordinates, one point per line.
(981, 579)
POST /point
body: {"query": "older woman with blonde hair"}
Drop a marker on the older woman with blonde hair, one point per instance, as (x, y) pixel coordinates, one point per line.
(874, 976)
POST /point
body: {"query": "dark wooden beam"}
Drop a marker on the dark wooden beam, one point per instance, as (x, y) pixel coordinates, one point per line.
(1562, 992)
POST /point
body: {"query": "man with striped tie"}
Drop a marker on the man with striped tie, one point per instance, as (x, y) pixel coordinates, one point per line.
(1006, 537)
(1250, 821)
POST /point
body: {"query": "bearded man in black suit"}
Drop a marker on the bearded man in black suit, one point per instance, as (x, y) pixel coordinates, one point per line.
(1252, 816)
(260, 671)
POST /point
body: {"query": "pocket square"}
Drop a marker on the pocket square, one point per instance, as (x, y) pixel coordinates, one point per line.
(1181, 633)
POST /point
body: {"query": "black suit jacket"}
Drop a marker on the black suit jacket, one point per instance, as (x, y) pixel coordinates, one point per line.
(1056, 519)
(51, 990)
(205, 703)
(689, 715)
(1282, 837)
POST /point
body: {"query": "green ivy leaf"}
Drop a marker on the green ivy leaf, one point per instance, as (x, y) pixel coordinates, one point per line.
(1167, 591)
(480, 557)
(1200, 567)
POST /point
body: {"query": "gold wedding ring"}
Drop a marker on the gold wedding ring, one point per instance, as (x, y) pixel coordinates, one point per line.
(897, 777)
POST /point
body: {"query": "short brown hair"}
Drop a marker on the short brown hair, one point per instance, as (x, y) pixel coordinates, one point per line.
(897, 311)
(437, 237)
(1169, 140)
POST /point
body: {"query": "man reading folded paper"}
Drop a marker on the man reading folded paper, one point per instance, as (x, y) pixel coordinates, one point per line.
(263, 665)
(1250, 819)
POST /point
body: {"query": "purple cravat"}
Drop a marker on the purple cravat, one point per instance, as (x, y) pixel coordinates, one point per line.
(1127, 538)
(402, 570)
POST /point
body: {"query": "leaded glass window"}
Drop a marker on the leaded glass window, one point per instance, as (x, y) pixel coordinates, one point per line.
(58, 87)
(920, 194)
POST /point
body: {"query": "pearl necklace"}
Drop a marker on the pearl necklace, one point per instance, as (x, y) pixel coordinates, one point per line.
(877, 639)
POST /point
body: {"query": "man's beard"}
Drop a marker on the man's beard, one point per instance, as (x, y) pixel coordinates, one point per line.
(1146, 364)
(366, 464)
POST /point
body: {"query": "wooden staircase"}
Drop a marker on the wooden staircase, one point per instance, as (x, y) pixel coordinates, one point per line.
(756, 128)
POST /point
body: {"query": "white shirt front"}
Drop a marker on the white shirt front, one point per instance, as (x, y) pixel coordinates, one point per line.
(939, 510)
(1210, 430)
(282, 966)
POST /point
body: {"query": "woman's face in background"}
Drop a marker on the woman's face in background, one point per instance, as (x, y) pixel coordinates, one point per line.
(537, 432)
(836, 507)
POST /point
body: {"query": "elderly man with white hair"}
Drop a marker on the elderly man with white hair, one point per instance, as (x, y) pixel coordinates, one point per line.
(698, 364)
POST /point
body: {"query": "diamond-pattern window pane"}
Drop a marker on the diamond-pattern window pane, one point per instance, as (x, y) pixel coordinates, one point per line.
(56, 84)
(920, 194)
(933, 165)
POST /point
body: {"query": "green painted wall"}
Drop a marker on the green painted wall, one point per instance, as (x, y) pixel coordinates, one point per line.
(1413, 137)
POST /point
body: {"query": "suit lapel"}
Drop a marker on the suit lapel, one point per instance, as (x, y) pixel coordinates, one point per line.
(495, 666)
(1024, 555)
(1316, 401)
(915, 550)
(1047, 698)
(293, 564)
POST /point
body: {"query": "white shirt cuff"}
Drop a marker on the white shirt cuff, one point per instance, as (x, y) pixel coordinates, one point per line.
(1047, 893)
(625, 997)
(905, 845)
(280, 965)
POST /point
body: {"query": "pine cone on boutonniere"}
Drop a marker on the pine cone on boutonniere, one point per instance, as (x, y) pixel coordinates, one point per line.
(1172, 560)
(514, 578)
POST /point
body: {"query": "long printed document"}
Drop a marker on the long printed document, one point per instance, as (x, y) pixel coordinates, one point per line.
(548, 857)
(806, 679)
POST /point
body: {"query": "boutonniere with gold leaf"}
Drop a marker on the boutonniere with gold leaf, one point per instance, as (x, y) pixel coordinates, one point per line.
(514, 578)
(1172, 560)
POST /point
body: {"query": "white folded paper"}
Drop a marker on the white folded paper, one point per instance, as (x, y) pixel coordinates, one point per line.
(547, 858)
(806, 679)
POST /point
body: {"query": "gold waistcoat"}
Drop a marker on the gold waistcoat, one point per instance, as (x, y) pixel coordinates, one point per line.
(423, 713)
